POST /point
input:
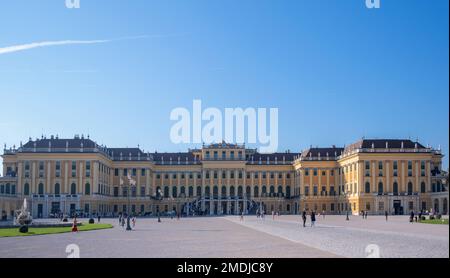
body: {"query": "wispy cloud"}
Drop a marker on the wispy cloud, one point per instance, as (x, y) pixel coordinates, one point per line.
(23, 47)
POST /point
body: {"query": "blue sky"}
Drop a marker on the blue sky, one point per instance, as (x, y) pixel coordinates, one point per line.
(336, 70)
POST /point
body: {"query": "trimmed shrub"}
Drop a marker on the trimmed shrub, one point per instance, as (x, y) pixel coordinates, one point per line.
(91, 221)
(23, 229)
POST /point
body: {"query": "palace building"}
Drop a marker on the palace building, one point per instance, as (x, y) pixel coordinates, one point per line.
(79, 176)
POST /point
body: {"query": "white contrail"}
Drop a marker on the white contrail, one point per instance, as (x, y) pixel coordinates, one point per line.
(22, 47)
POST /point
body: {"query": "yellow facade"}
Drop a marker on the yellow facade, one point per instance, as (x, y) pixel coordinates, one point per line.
(78, 176)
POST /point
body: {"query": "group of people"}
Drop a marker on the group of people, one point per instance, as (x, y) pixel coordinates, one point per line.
(123, 218)
(312, 217)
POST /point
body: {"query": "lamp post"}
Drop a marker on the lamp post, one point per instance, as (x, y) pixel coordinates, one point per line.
(131, 183)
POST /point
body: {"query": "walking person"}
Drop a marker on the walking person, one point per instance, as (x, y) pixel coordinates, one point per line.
(242, 215)
(98, 218)
(304, 218)
(74, 225)
(133, 220)
(313, 218)
(411, 217)
(273, 215)
(323, 214)
(386, 214)
(120, 218)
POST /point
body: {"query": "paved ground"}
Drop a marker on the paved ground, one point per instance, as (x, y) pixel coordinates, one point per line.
(228, 237)
(186, 238)
(395, 238)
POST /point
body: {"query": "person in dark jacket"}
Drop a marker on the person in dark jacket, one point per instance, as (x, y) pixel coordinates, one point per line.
(304, 218)
(313, 218)
(411, 217)
(386, 214)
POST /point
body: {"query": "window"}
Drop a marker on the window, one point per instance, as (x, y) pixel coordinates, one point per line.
(207, 174)
(256, 191)
(27, 169)
(331, 172)
(116, 172)
(191, 191)
(57, 189)
(41, 169)
(26, 189)
(58, 169)
(142, 172)
(134, 172)
(380, 168)
(306, 172)
(395, 168)
(125, 172)
(306, 190)
(381, 206)
(88, 169)
(315, 190)
(395, 188)
(116, 191)
(232, 175)
(166, 192)
(410, 188)
(240, 174)
(74, 169)
(315, 171)
(232, 155)
(380, 188)
(174, 192)
(409, 168)
(422, 168)
(87, 189)
(411, 205)
(423, 188)
(367, 188)
(215, 175)
(73, 189)
(367, 168)
(41, 189)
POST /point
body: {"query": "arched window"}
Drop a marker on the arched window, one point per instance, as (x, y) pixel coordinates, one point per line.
(410, 188)
(41, 189)
(395, 188)
(264, 191)
(288, 191)
(240, 191)
(280, 191)
(272, 191)
(199, 191)
(191, 191)
(174, 192)
(248, 192)
(26, 189)
(87, 189)
(166, 192)
(182, 191)
(224, 191)
(367, 187)
(73, 189)
(232, 191)
(256, 191)
(423, 188)
(57, 189)
(380, 188)
(207, 191)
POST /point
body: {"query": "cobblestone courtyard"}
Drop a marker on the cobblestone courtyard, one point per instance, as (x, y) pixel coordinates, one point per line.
(228, 237)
